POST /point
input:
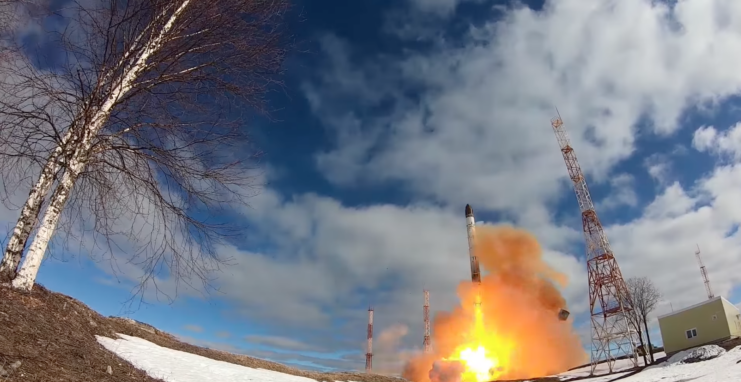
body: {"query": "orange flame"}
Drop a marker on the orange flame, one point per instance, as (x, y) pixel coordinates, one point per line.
(486, 360)
(514, 333)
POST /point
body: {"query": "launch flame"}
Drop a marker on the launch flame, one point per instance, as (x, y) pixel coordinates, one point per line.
(515, 332)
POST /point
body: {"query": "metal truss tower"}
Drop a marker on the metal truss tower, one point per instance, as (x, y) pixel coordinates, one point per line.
(704, 273)
(426, 343)
(369, 353)
(613, 334)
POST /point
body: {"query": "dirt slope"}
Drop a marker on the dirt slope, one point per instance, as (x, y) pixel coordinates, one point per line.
(53, 337)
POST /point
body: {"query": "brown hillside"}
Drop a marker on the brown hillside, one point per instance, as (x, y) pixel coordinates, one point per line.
(53, 337)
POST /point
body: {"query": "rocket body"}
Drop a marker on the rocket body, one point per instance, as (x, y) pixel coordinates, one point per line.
(562, 314)
(471, 230)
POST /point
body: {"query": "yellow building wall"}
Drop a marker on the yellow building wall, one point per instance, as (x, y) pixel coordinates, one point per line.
(710, 320)
(733, 317)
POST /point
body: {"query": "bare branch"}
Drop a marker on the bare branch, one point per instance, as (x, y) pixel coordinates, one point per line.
(141, 130)
(643, 297)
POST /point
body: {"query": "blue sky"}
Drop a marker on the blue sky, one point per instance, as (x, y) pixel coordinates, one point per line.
(399, 113)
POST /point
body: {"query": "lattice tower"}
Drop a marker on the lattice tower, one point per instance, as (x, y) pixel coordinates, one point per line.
(369, 352)
(613, 334)
(704, 273)
(426, 343)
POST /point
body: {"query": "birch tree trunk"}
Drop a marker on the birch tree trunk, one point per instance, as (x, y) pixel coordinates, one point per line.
(29, 214)
(648, 339)
(29, 270)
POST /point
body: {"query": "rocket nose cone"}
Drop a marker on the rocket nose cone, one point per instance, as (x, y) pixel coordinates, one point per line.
(469, 210)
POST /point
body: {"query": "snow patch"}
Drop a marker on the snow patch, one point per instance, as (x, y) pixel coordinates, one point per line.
(720, 368)
(621, 367)
(177, 366)
(699, 354)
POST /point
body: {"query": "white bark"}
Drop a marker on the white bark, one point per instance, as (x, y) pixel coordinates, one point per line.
(30, 268)
(23, 227)
(27, 274)
(30, 211)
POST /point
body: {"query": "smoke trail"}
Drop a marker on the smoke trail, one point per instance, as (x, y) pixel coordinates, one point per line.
(389, 355)
(520, 304)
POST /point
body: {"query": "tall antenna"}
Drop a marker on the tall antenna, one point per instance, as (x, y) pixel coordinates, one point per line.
(369, 353)
(426, 343)
(704, 274)
(612, 332)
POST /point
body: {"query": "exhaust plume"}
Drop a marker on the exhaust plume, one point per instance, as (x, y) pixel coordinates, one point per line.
(389, 356)
(517, 333)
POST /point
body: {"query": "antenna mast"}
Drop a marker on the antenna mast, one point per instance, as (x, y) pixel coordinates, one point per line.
(369, 354)
(612, 332)
(426, 344)
(704, 274)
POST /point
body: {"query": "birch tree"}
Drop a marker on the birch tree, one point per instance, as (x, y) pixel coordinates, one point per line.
(152, 98)
(633, 319)
(644, 297)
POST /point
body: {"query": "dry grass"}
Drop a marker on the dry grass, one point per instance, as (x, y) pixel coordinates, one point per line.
(53, 336)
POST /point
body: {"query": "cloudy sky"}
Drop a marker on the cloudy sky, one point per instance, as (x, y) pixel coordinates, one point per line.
(399, 113)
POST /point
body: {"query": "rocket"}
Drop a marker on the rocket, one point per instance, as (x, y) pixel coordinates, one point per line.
(471, 229)
(562, 314)
(475, 269)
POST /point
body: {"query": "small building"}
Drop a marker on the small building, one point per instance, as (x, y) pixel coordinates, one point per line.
(710, 322)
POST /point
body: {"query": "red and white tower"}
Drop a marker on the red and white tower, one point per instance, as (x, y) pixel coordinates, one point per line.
(612, 333)
(426, 343)
(369, 353)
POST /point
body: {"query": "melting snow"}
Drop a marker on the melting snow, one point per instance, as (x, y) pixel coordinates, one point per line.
(702, 353)
(723, 368)
(621, 364)
(176, 366)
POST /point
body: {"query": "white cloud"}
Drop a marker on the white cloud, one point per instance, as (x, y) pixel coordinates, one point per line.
(280, 342)
(661, 244)
(622, 193)
(659, 167)
(479, 132)
(337, 260)
(670, 204)
(726, 143)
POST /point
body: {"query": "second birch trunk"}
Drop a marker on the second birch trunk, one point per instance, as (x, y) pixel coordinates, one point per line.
(29, 270)
(29, 214)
